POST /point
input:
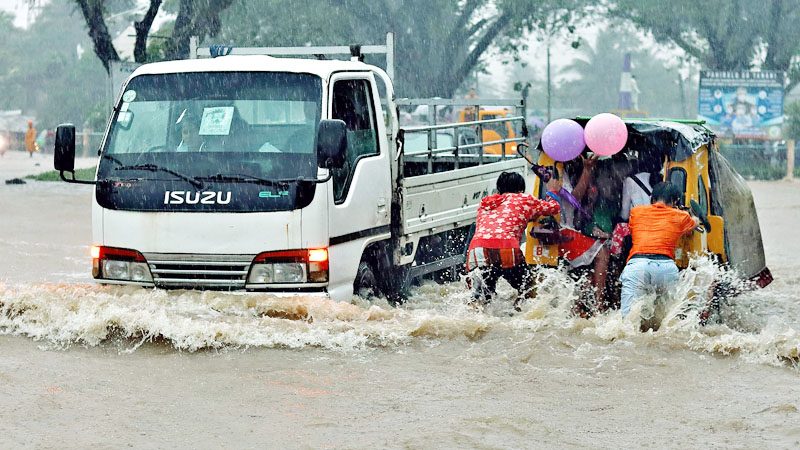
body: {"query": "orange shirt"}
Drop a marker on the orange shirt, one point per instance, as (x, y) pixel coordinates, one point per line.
(656, 229)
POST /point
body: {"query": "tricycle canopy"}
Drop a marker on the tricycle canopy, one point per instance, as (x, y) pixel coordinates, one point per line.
(677, 139)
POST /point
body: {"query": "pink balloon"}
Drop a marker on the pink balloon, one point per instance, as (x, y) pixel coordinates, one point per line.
(605, 134)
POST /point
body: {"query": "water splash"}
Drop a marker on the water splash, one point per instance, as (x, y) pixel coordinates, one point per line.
(91, 315)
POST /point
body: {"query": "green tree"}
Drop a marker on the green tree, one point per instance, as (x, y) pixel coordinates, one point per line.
(439, 43)
(40, 70)
(724, 34)
(195, 18)
(598, 68)
(792, 125)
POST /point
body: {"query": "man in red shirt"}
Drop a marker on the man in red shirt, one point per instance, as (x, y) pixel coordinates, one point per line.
(494, 251)
(656, 230)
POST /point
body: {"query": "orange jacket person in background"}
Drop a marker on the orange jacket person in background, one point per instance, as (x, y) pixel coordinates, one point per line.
(30, 139)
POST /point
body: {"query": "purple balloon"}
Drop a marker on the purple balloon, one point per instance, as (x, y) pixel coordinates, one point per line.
(562, 139)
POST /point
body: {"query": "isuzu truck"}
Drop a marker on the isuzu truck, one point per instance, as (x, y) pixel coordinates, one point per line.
(254, 172)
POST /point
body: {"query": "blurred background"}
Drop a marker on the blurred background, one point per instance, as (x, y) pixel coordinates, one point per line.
(733, 63)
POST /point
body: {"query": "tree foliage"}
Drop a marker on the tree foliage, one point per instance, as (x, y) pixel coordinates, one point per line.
(724, 34)
(595, 76)
(439, 43)
(194, 18)
(792, 125)
(41, 70)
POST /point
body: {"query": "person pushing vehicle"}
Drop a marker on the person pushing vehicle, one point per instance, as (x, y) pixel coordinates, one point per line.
(655, 230)
(494, 250)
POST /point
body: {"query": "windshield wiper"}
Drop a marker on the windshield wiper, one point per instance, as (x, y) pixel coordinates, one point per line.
(243, 178)
(155, 168)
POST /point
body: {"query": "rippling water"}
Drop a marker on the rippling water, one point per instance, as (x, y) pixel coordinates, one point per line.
(87, 314)
(429, 373)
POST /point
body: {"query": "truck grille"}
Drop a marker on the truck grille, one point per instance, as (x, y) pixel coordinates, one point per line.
(199, 271)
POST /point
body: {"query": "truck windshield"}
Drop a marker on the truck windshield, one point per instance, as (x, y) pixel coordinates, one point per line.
(212, 141)
(206, 124)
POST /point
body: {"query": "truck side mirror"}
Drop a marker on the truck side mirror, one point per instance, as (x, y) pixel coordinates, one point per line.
(331, 144)
(64, 153)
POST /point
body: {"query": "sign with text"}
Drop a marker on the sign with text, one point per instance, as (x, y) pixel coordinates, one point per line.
(742, 104)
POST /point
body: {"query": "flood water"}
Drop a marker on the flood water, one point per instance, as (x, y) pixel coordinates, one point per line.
(83, 365)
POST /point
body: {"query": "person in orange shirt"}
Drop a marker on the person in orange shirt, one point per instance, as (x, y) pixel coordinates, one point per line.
(30, 139)
(655, 230)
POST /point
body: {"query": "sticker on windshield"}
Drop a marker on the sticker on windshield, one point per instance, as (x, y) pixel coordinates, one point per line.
(124, 118)
(216, 121)
(129, 96)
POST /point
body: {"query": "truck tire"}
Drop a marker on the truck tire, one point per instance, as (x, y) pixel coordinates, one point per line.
(366, 283)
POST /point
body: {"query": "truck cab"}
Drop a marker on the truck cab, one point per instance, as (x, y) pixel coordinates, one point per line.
(286, 175)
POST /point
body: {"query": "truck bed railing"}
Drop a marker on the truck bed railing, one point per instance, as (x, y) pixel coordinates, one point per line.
(460, 154)
(355, 52)
(460, 124)
(517, 102)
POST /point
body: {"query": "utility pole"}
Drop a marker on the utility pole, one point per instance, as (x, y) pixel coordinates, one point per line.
(549, 83)
(684, 110)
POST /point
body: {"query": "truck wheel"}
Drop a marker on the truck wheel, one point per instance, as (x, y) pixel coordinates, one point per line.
(365, 284)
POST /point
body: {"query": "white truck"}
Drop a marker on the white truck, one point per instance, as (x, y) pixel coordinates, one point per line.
(287, 175)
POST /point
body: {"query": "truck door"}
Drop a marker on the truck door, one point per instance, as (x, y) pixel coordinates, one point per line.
(362, 187)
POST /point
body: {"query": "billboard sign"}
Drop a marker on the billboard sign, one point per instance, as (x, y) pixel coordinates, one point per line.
(742, 104)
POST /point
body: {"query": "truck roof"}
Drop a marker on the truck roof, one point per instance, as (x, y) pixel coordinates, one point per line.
(253, 63)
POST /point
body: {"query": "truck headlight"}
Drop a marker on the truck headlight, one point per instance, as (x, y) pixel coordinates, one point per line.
(260, 274)
(291, 266)
(289, 272)
(119, 264)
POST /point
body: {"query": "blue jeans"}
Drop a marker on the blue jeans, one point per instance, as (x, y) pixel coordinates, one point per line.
(644, 275)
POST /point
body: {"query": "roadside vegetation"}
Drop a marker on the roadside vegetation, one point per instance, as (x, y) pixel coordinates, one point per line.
(80, 174)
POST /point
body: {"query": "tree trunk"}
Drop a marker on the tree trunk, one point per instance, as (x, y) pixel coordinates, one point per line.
(195, 18)
(92, 11)
(143, 30)
(178, 47)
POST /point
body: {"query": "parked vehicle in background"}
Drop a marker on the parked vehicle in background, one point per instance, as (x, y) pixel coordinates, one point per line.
(417, 143)
(494, 130)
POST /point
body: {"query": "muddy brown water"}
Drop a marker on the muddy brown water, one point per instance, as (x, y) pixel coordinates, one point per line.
(83, 365)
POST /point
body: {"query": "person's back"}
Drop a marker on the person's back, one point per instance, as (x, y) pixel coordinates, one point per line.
(502, 218)
(637, 187)
(494, 250)
(30, 139)
(657, 228)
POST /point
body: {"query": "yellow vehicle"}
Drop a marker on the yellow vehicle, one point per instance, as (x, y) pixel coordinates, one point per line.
(492, 132)
(712, 189)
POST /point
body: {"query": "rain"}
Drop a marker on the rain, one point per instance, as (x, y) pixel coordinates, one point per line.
(399, 224)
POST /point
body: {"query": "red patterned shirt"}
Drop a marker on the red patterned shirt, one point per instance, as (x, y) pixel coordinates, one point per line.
(502, 219)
